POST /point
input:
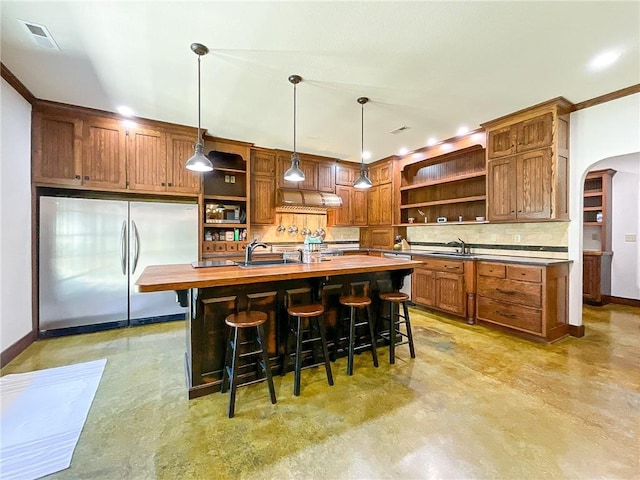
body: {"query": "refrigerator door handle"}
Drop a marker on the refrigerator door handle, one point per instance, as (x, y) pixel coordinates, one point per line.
(123, 247)
(136, 251)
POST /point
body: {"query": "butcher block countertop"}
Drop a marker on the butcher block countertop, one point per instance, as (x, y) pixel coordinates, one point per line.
(156, 278)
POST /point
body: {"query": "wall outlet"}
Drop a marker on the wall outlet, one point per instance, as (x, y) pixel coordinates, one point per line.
(630, 237)
(226, 179)
(233, 178)
(516, 238)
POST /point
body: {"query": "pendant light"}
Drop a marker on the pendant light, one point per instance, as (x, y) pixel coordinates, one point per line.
(294, 174)
(199, 162)
(362, 181)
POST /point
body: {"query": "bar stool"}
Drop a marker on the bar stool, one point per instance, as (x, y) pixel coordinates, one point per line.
(313, 312)
(354, 303)
(395, 299)
(238, 322)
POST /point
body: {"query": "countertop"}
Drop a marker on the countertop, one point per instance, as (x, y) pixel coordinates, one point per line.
(481, 257)
(157, 278)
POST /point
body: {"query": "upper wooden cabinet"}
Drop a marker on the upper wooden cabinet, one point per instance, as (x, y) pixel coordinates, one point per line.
(319, 172)
(381, 172)
(75, 147)
(354, 207)
(263, 186)
(527, 164)
(326, 177)
(346, 174)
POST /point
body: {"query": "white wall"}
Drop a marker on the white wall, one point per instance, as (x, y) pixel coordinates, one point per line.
(625, 271)
(607, 130)
(15, 216)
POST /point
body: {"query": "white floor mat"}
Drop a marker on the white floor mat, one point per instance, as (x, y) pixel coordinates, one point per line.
(42, 415)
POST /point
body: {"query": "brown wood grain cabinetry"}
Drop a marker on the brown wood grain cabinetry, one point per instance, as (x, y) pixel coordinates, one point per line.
(527, 164)
(529, 298)
(56, 149)
(447, 186)
(326, 177)
(596, 277)
(147, 154)
(359, 207)
(379, 205)
(346, 175)
(439, 284)
(380, 172)
(354, 207)
(263, 187)
(319, 172)
(179, 149)
(104, 156)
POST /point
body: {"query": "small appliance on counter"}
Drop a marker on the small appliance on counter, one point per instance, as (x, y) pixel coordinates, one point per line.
(311, 252)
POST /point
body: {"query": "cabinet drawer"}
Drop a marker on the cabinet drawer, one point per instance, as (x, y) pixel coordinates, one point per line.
(524, 273)
(208, 246)
(220, 246)
(492, 270)
(452, 266)
(522, 318)
(232, 247)
(522, 293)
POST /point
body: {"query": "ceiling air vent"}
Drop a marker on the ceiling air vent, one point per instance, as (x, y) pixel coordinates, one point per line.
(398, 130)
(40, 35)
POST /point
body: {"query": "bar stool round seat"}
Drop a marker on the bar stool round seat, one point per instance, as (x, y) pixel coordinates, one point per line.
(246, 319)
(314, 312)
(355, 302)
(238, 322)
(396, 336)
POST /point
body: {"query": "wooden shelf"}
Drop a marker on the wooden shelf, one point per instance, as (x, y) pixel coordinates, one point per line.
(597, 208)
(597, 193)
(457, 178)
(476, 198)
(592, 224)
(225, 225)
(232, 170)
(225, 198)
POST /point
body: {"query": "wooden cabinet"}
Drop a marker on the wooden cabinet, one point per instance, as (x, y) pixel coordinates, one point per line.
(380, 172)
(147, 159)
(56, 149)
(359, 207)
(527, 164)
(379, 205)
(520, 187)
(447, 186)
(104, 153)
(326, 177)
(179, 150)
(319, 173)
(354, 207)
(439, 284)
(346, 175)
(263, 187)
(596, 277)
(529, 298)
(373, 206)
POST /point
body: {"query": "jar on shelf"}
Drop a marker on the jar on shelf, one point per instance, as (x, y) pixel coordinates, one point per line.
(599, 217)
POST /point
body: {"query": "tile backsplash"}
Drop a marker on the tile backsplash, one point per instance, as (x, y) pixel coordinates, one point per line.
(270, 234)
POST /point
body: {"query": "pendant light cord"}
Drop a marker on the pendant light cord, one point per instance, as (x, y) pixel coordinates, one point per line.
(362, 136)
(199, 56)
(294, 117)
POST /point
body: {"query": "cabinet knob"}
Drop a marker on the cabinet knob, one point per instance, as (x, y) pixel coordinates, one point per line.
(170, 184)
(162, 184)
(78, 177)
(86, 177)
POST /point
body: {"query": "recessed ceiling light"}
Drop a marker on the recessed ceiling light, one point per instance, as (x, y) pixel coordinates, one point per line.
(462, 130)
(126, 111)
(403, 151)
(129, 124)
(604, 60)
(432, 141)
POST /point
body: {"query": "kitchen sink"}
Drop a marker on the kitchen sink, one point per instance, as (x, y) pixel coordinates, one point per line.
(266, 263)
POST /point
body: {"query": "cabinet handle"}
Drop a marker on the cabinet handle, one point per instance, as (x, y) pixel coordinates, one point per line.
(86, 177)
(508, 315)
(170, 184)
(78, 177)
(162, 184)
(506, 292)
(450, 266)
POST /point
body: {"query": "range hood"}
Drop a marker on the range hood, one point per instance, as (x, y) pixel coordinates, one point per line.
(292, 199)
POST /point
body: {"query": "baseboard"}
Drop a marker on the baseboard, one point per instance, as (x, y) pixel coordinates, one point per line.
(17, 348)
(622, 301)
(576, 330)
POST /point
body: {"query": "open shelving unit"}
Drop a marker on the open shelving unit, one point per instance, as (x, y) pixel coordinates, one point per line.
(448, 186)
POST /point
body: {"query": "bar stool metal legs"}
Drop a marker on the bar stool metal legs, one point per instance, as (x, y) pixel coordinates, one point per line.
(353, 303)
(238, 322)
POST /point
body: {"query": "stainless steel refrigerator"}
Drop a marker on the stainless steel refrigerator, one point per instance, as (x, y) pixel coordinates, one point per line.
(91, 251)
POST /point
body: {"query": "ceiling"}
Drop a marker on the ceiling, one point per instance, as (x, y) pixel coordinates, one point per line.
(430, 66)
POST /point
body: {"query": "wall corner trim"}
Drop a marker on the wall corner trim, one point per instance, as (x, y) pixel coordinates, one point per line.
(12, 80)
(17, 348)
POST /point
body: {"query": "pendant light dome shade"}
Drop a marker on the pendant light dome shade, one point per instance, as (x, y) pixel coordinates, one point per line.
(294, 174)
(199, 162)
(362, 181)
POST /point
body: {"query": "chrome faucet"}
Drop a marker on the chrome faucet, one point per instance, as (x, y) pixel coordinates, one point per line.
(250, 248)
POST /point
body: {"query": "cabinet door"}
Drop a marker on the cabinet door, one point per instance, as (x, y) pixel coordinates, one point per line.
(179, 179)
(310, 169)
(344, 214)
(263, 163)
(56, 148)
(263, 200)
(104, 156)
(326, 177)
(534, 133)
(450, 292)
(591, 277)
(147, 159)
(533, 185)
(345, 175)
(501, 189)
(501, 142)
(373, 206)
(381, 173)
(385, 201)
(423, 287)
(284, 164)
(358, 206)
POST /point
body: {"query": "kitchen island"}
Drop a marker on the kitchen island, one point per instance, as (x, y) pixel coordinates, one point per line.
(210, 294)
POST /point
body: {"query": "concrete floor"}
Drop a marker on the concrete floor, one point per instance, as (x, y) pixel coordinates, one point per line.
(475, 403)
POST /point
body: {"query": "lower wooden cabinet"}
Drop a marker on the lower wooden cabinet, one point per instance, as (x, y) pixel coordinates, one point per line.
(440, 284)
(596, 277)
(529, 298)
